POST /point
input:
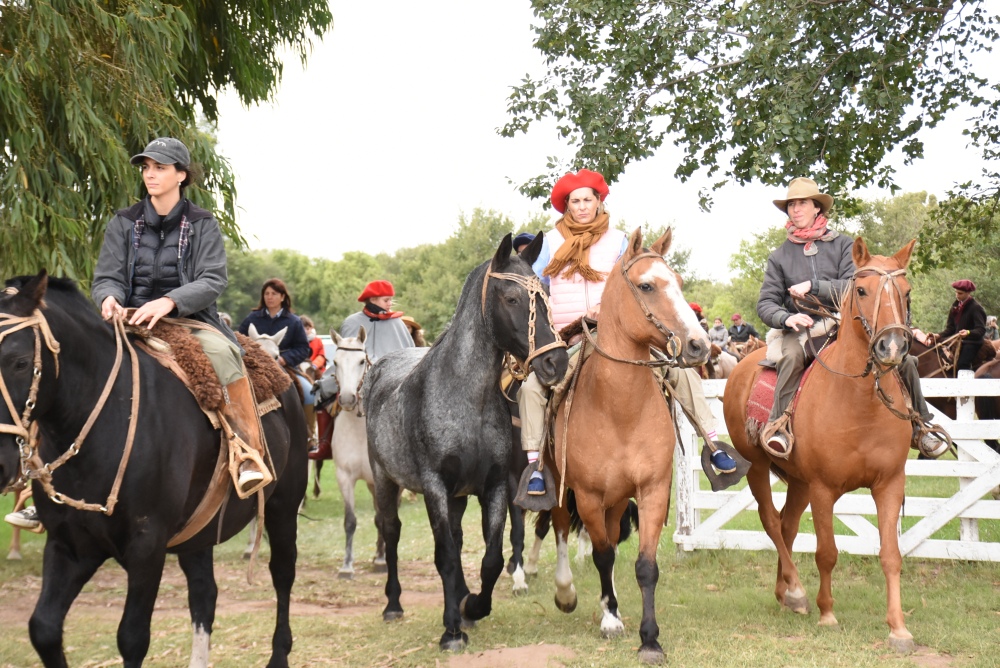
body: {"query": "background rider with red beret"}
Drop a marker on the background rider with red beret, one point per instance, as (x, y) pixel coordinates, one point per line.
(384, 328)
(967, 318)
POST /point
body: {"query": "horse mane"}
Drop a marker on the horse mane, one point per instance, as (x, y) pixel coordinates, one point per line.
(61, 288)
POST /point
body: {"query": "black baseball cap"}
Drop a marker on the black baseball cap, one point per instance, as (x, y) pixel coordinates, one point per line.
(166, 151)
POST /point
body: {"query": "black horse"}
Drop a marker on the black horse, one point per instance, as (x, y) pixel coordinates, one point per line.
(172, 461)
(438, 424)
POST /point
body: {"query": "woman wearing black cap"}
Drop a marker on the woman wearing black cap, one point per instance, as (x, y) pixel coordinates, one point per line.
(967, 318)
(164, 256)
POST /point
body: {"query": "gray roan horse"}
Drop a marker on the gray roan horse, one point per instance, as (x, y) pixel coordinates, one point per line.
(350, 442)
(438, 424)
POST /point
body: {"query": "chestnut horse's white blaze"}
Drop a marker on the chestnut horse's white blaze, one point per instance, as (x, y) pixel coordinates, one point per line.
(672, 289)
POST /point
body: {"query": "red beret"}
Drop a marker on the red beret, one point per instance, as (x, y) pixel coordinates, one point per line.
(736, 316)
(965, 285)
(377, 289)
(694, 306)
(570, 182)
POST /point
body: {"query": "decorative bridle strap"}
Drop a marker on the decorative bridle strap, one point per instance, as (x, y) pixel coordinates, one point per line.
(26, 432)
(520, 369)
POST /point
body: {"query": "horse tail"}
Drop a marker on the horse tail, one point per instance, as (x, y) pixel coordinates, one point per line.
(778, 471)
(629, 520)
(543, 522)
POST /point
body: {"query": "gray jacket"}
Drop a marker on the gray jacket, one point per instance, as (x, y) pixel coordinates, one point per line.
(718, 336)
(203, 268)
(381, 336)
(829, 270)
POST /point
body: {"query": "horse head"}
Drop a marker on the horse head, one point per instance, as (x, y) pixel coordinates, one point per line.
(269, 342)
(516, 310)
(27, 348)
(655, 313)
(878, 302)
(350, 364)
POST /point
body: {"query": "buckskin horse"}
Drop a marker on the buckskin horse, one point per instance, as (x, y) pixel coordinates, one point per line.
(614, 433)
(56, 356)
(847, 435)
(438, 424)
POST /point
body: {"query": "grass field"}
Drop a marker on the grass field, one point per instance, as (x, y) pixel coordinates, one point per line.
(714, 608)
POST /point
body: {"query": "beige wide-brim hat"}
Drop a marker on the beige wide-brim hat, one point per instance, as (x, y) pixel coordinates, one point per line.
(411, 323)
(804, 188)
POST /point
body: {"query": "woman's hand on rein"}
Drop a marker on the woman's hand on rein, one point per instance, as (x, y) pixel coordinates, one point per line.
(111, 308)
(799, 321)
(801, 290)
(153, 311)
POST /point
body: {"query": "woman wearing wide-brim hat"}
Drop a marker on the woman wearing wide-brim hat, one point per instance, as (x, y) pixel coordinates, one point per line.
(967, 318)
(813, 260)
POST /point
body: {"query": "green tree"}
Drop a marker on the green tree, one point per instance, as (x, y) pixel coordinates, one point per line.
(87, 83)
(760, 90)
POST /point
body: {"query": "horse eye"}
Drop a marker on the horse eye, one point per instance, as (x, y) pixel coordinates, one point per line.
(21, 365)
(862, 292)
(512, 301)
(645, 287)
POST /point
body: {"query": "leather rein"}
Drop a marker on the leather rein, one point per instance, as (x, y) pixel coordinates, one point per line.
(519, 369)
(25, 430)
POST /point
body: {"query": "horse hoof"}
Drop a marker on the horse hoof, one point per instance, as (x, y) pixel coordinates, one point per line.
(468, 624)
(829, 620)
(346, 574)
(391, 615)
(902, 645)
(454, 642)
(566, 607)
(13, 555)
(797, 604)
(611, 632)
(651, 655)
(247, 555)
(379, 566)
(516, 590)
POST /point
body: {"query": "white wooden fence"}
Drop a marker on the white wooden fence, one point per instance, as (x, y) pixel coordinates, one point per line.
(702, 515)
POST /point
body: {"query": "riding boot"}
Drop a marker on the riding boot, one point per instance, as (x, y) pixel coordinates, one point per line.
(247, 449)
(777, 437)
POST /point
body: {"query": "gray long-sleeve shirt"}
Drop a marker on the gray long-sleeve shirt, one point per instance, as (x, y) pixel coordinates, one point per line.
(381, 336)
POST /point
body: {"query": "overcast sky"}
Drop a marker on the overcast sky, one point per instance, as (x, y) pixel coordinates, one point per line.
(389, 135)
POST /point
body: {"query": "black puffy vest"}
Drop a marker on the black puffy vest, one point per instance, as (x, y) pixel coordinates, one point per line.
(157, 269)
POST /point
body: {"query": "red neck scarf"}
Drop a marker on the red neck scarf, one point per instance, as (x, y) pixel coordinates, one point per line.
(378, 313)
(816, 232)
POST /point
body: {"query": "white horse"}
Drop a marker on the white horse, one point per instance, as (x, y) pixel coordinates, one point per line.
(350, 440)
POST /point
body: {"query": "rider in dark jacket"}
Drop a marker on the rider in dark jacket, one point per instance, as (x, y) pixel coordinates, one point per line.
(968, 318)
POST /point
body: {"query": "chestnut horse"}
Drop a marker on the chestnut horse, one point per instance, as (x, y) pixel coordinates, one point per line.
(845, 436)
(614, 434)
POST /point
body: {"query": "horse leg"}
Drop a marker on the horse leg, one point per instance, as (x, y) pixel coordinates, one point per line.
(280, 520)
(346, 483)
(63, 575)
(202, 595)
(516, 564)
(793, 595)
(604, 530)
(826, 551)
(565, 591)
(456, 511)
(796, 501)
(387, 522)
(542, 525)
(317, 470)
(378, 563)
(888, 500)
(494, 503)
(253, 528)
(584, 546)
(143, 564)
(653, 505)
(448, 559)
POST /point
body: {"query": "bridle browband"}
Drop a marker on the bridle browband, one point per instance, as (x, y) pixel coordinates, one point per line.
(519, 369)
(672, 346)
(25, 430)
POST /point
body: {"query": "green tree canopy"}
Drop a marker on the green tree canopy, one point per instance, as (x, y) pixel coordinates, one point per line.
(761, 90)
(87, 83)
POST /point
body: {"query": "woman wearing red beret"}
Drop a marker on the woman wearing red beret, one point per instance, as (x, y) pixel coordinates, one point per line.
(575, 259)
(966, 318)
(384, 329)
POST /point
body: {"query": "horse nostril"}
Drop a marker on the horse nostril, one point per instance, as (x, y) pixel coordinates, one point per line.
(696, 348)
(547, 367)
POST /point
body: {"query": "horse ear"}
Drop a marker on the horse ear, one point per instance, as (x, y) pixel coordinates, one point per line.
(502, 257)
(335, 337)
(902, 256)
(662, 245)
(362, 335)
(635, 242)
(860, 253)
(531, 252)
(254, 334)
(29, 296)
(279, 335)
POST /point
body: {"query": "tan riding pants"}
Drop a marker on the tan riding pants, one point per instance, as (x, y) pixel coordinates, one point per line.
(533, 396)
(222, 353)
